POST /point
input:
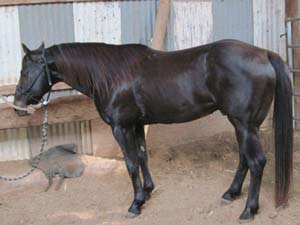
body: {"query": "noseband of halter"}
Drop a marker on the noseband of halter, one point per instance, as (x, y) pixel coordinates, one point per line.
(45, 68)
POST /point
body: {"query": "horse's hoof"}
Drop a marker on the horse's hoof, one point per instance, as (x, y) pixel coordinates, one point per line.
(148, 191)
(131, 215)
(226, 201)
(133, 211)
(227, 198)
(246, 216)
(147, 195)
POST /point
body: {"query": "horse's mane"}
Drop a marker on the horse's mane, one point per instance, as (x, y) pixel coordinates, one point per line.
(98, 67)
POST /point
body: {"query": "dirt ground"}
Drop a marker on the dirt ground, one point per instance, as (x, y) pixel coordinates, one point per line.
(190, 180)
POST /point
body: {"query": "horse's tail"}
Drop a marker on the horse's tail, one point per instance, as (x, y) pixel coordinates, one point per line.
(283, 125)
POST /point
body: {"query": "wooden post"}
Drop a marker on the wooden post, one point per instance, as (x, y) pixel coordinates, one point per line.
(161, 24)
(160, 30)
(291, 11)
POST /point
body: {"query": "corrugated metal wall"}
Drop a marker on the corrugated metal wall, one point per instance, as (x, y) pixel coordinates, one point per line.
(233, 19)
(14, 144)
(51, 23)
(116, 22)
(10, 47)
(137, 21)
(98, 22)
(254, 21)
(191, 23)
(74, 132)
(268, 21)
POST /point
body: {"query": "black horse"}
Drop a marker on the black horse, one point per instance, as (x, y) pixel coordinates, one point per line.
(133, 85)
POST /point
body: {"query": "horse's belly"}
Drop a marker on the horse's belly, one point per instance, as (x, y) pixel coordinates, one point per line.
(182, 113)
(181, 98)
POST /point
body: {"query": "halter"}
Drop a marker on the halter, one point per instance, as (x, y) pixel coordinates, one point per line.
(45, 68)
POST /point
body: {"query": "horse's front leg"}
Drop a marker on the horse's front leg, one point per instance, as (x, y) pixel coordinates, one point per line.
(126, 137)
(143, 159)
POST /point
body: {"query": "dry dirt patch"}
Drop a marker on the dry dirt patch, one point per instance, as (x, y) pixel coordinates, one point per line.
(189, 178)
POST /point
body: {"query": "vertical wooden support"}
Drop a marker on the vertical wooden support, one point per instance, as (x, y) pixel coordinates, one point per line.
(160, 30)
(291, 11)
(161, 24)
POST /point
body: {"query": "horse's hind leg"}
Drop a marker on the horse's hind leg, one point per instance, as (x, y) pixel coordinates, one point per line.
(143, 160)
(241, 172)
(236, 186)
(256, 160)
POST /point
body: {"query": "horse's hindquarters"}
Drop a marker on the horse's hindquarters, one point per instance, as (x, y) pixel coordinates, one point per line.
(242, 80)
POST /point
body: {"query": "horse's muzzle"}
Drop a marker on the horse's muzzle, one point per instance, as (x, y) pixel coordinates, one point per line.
(20, 112)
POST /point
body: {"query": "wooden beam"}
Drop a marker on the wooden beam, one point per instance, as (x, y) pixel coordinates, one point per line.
(61, 110)
(61, 86)
(28, 2)
(11, 88)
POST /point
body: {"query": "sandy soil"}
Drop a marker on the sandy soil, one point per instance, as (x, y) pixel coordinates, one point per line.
(189, 178)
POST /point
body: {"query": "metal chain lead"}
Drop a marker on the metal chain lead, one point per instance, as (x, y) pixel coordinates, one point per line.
(44, 133)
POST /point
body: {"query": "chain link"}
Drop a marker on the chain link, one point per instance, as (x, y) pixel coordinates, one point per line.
(44, 133)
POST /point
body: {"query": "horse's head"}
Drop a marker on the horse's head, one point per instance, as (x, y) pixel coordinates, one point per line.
(35, 79)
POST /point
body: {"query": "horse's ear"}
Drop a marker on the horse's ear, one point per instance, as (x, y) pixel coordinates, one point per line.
(25, 49)
(41, 48)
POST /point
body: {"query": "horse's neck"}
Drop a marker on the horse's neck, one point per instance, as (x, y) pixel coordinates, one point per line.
(84, 90)
(58, 76)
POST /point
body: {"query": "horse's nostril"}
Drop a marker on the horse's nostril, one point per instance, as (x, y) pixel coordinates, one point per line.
(20, 112)
(19, 103)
